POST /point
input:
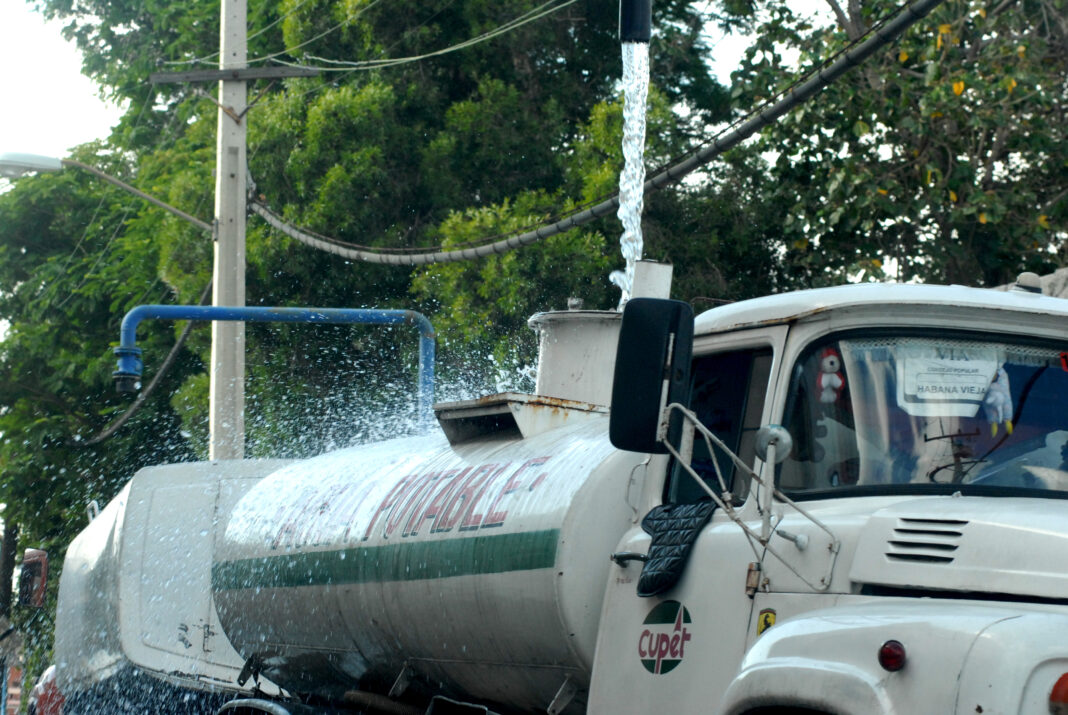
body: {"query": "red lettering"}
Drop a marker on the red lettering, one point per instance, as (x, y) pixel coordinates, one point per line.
(682, 645)
(646, 635)
(471, 519)
(675, 646)
(311, 516)
(436, 510)
(464, 496)
(539, 480)
(291, 520)
(495, 517)
(541, 475)
(389, 502)
(663, 646)
(405, 502)
(416, 512)
(351, 507)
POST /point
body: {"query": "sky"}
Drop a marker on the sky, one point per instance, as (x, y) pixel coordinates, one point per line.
(47, 106)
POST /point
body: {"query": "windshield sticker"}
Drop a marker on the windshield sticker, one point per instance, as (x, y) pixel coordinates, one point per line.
(945, 386)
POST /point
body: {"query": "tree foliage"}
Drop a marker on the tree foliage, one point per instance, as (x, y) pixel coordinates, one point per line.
(943, 158)
(412, 155)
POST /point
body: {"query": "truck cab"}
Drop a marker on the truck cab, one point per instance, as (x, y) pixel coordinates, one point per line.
(901, 548)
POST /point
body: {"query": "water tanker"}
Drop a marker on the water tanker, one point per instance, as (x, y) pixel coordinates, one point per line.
(847, 500)
(480, 565)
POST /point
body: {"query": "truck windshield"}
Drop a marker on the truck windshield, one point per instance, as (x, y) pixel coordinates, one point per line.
(919, 413)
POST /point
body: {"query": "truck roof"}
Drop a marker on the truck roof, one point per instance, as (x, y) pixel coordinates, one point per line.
(797, 305)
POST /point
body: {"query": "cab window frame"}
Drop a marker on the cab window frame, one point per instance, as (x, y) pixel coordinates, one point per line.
(763, 356)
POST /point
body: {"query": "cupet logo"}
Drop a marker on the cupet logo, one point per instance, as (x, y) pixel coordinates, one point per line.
(662, 643)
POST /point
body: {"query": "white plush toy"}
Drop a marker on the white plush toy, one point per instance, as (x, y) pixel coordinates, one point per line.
(997, 405)
(829, 382)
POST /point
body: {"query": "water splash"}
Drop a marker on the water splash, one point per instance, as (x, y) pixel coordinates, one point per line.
(632, 180)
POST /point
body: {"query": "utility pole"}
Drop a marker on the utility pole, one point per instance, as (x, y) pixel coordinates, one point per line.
(227, 390)
(227, 369)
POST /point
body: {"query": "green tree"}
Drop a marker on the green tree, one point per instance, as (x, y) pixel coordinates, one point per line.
(943, 158)
(399, 156)
(73, 257)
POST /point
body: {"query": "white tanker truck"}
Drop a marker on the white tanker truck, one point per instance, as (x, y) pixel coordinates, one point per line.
(845, 500)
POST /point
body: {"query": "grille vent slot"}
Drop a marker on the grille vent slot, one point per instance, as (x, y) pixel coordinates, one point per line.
(931, 541)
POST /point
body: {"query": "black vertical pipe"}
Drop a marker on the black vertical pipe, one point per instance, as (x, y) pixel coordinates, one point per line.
(635, 20)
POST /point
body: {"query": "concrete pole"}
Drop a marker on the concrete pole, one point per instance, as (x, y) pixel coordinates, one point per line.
(227, 422)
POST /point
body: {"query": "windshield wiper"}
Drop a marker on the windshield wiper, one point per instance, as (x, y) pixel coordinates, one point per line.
(959, 472)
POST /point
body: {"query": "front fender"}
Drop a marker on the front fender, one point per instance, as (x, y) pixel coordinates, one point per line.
(835, 688)
(826, 659)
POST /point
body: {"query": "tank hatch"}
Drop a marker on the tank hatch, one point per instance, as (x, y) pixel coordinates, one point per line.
(510, 415)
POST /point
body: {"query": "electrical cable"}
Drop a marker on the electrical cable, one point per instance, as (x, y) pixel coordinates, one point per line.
(269, 25)
(386, 63)
(345, 65)
(92, 219)
(212, 59)
(799, 92)
(321, 35)
(99, 258)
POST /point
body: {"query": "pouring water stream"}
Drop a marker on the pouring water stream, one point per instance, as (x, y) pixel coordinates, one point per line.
(632, 179)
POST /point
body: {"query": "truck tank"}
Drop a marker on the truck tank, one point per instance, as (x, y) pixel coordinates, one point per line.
(478, 566)
(471, 563)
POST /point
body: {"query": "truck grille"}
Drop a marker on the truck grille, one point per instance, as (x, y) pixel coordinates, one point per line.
(925, 540)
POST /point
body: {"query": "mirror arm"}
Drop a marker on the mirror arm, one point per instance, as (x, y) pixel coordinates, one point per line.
(766, 494)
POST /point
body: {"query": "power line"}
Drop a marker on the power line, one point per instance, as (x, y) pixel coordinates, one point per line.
(321, 35)
(283, 18)
(796, 94)
(212, 59)
(96, 211)
(346, 66)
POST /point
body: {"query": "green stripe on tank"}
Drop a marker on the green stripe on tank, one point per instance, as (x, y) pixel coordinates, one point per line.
(405, 561)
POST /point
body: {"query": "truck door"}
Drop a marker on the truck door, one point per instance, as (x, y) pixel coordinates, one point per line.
(677, 651)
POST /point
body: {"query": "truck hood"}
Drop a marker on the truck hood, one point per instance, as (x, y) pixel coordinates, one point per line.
(1000, 546)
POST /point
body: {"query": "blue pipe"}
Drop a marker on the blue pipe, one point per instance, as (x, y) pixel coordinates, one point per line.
(127, 374)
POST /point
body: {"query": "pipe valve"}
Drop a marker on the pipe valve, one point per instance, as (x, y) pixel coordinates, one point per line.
(128, 368)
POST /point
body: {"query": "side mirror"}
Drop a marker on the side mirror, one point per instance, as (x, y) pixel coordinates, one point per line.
(34, 578)
(652, 371)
